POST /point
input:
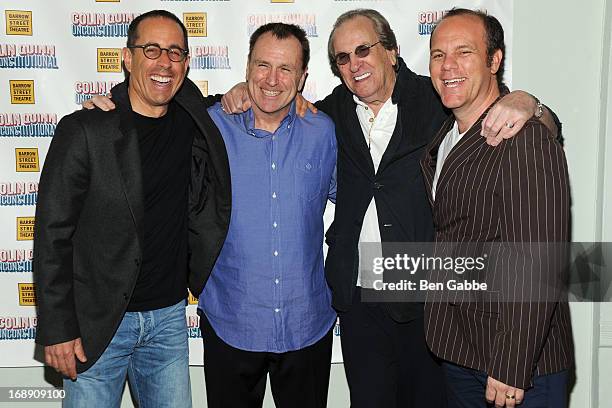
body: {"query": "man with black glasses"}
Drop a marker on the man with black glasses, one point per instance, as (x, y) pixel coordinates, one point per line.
(117, 194)
(266, 309)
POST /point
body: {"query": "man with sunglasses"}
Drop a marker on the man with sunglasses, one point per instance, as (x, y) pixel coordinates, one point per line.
(127, 200)
(385, 115)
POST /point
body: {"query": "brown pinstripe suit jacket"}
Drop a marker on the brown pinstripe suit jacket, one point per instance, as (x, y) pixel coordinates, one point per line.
(515, 192)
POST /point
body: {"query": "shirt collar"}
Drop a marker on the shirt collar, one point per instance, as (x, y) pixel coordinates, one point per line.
(359, 102)
(249, 121)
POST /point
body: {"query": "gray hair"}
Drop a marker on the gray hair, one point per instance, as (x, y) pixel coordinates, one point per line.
(385, 34)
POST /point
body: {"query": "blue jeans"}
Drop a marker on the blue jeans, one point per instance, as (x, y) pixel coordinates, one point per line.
(466, 389)
(151, 349)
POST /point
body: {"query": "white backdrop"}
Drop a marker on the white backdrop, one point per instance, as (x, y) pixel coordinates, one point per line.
(55, 54)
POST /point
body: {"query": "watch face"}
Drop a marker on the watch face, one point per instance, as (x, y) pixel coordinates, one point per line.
(539, 110)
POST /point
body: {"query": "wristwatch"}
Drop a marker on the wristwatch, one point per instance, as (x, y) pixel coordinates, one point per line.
(539, 108)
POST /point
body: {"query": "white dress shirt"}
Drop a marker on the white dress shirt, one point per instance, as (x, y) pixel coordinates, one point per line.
(377, 131)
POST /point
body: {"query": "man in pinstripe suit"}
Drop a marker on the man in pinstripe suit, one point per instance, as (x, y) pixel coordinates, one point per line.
(506, 353)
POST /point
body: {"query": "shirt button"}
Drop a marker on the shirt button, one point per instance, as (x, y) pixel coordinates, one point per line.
(273, 137)
(277, 310)
(276, 281)
(273, 166)
(275, 253)
(288, 126)
(275, 224)
(371, 120)
(274, 194)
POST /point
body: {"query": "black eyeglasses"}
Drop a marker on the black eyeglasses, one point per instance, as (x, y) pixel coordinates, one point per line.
(361, 51)
(154, 51)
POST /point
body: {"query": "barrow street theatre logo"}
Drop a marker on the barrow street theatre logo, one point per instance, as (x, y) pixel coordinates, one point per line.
(22, 92)
(25, 228)
(195, 23)
(109, 59)
(18, 22)
(27, 294)
(26, 160)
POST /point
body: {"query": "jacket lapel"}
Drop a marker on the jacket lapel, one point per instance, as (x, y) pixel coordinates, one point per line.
(460, 154)
(428, 164)
(405, 138)
(127, 152)
(394, 143)
(357, 143)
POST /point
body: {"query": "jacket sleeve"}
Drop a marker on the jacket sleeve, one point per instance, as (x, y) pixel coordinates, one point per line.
(534, 216)
(327, 104)
(193, 90)
(560, 137)
(210, 100)
(63, 185)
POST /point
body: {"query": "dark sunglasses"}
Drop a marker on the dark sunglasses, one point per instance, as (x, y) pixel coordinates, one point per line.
(361, 51)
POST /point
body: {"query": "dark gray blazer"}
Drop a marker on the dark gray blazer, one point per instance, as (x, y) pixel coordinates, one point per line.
(89, 232)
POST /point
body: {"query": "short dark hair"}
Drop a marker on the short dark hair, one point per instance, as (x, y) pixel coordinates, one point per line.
(282, 31)
(385, 34)
(494, 36)
(132, 34)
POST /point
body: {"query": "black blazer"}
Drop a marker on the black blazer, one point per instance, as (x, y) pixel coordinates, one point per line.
(88, 233)
(398, 188)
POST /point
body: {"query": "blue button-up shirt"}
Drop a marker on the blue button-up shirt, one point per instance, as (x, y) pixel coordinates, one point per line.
(267, 291)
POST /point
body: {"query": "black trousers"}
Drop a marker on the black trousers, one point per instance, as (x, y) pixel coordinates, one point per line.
(237, 379)
(388, 364)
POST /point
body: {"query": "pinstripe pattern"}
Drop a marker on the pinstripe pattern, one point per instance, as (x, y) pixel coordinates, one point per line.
(516, 192)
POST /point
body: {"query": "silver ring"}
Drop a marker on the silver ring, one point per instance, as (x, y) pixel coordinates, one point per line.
(509, 125)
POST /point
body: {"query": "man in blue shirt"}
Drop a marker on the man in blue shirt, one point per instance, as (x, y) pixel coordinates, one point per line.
(266, 308)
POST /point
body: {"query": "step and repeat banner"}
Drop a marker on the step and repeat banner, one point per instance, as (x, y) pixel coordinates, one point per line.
(56, 54)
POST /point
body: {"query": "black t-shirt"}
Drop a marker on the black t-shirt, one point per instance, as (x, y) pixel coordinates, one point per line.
(165, 155)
